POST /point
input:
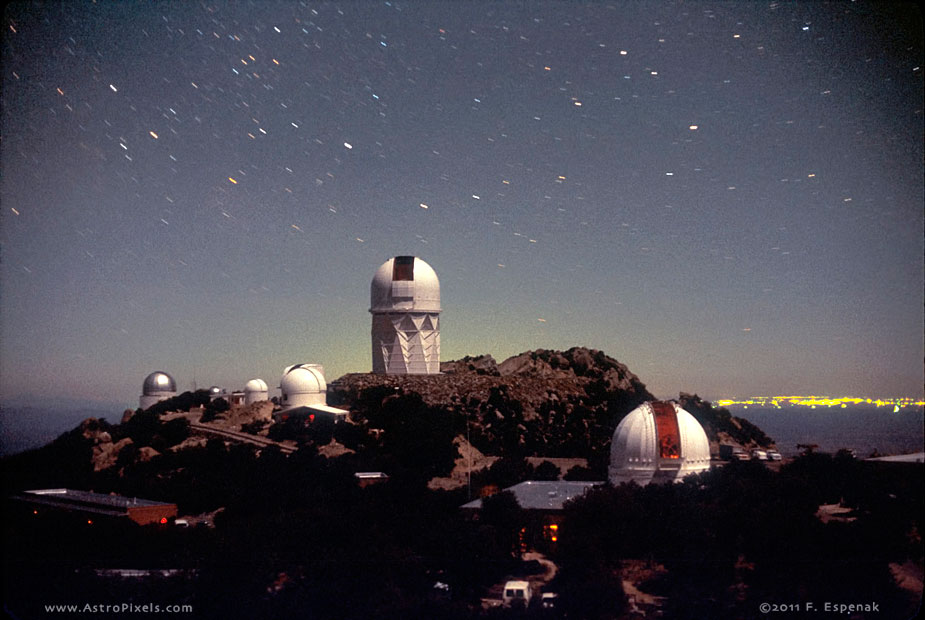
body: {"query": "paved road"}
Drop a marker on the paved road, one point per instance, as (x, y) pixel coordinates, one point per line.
(256, 440)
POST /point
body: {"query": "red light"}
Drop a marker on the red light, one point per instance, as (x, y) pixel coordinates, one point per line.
(35, 512)
(311, 417)
(163, 520)
(89, 521)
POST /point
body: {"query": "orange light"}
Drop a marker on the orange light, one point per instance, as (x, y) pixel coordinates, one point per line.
(555, 539)
(35, 512)
(89, 521)
(554, 527)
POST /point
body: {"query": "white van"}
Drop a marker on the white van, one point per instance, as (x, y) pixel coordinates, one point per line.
(516, 591)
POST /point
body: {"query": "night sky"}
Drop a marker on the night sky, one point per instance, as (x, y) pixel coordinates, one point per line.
(726, 197)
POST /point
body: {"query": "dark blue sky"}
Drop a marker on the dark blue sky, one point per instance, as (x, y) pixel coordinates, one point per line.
(727, 197)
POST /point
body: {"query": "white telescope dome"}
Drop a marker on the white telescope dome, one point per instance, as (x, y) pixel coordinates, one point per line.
(255, 391)
(658, 442)
(407, 284)
(255, 385)
(303, 384)
(157, 383)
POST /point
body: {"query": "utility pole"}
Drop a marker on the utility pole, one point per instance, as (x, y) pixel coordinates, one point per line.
(468, 459)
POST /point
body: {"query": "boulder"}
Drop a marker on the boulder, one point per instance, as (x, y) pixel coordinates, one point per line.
(105, 455)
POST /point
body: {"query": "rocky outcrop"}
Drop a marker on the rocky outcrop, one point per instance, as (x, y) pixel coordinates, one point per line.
(544, 403)
(106, 454)
(577, 362)
(145, 454)
(236, 417)
(532, 378)
(480, 365)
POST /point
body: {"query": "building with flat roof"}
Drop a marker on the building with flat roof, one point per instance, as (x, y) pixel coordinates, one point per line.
(543, 495)
(542, 502)
(310, 413)
(97, 505)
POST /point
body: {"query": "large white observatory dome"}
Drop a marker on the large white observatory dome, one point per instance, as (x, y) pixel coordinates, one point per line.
(405, 283)
(658, 442)
(405, 304)
(255, 391)
(303, 384)
(157, 386)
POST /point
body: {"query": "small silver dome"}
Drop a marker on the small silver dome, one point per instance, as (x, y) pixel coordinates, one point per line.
(157, 383)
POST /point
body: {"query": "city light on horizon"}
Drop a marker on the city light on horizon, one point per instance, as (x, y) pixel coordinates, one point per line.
(819, 401)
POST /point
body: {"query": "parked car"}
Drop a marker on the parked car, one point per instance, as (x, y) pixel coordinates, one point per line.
(549, 600)
(516, 592)
(759, 455)
(774, 455)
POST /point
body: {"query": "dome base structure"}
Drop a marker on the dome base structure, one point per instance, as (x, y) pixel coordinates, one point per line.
(658, 442)
(149, 400)
(406, 343)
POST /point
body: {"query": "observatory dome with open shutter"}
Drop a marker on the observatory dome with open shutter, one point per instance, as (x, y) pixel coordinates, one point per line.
(658, 442)
(405, 304)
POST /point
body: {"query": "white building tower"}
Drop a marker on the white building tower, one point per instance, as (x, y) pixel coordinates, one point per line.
(405, 304)
(658, 442)
(255, 391)
(302, 385)
(158, 386)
